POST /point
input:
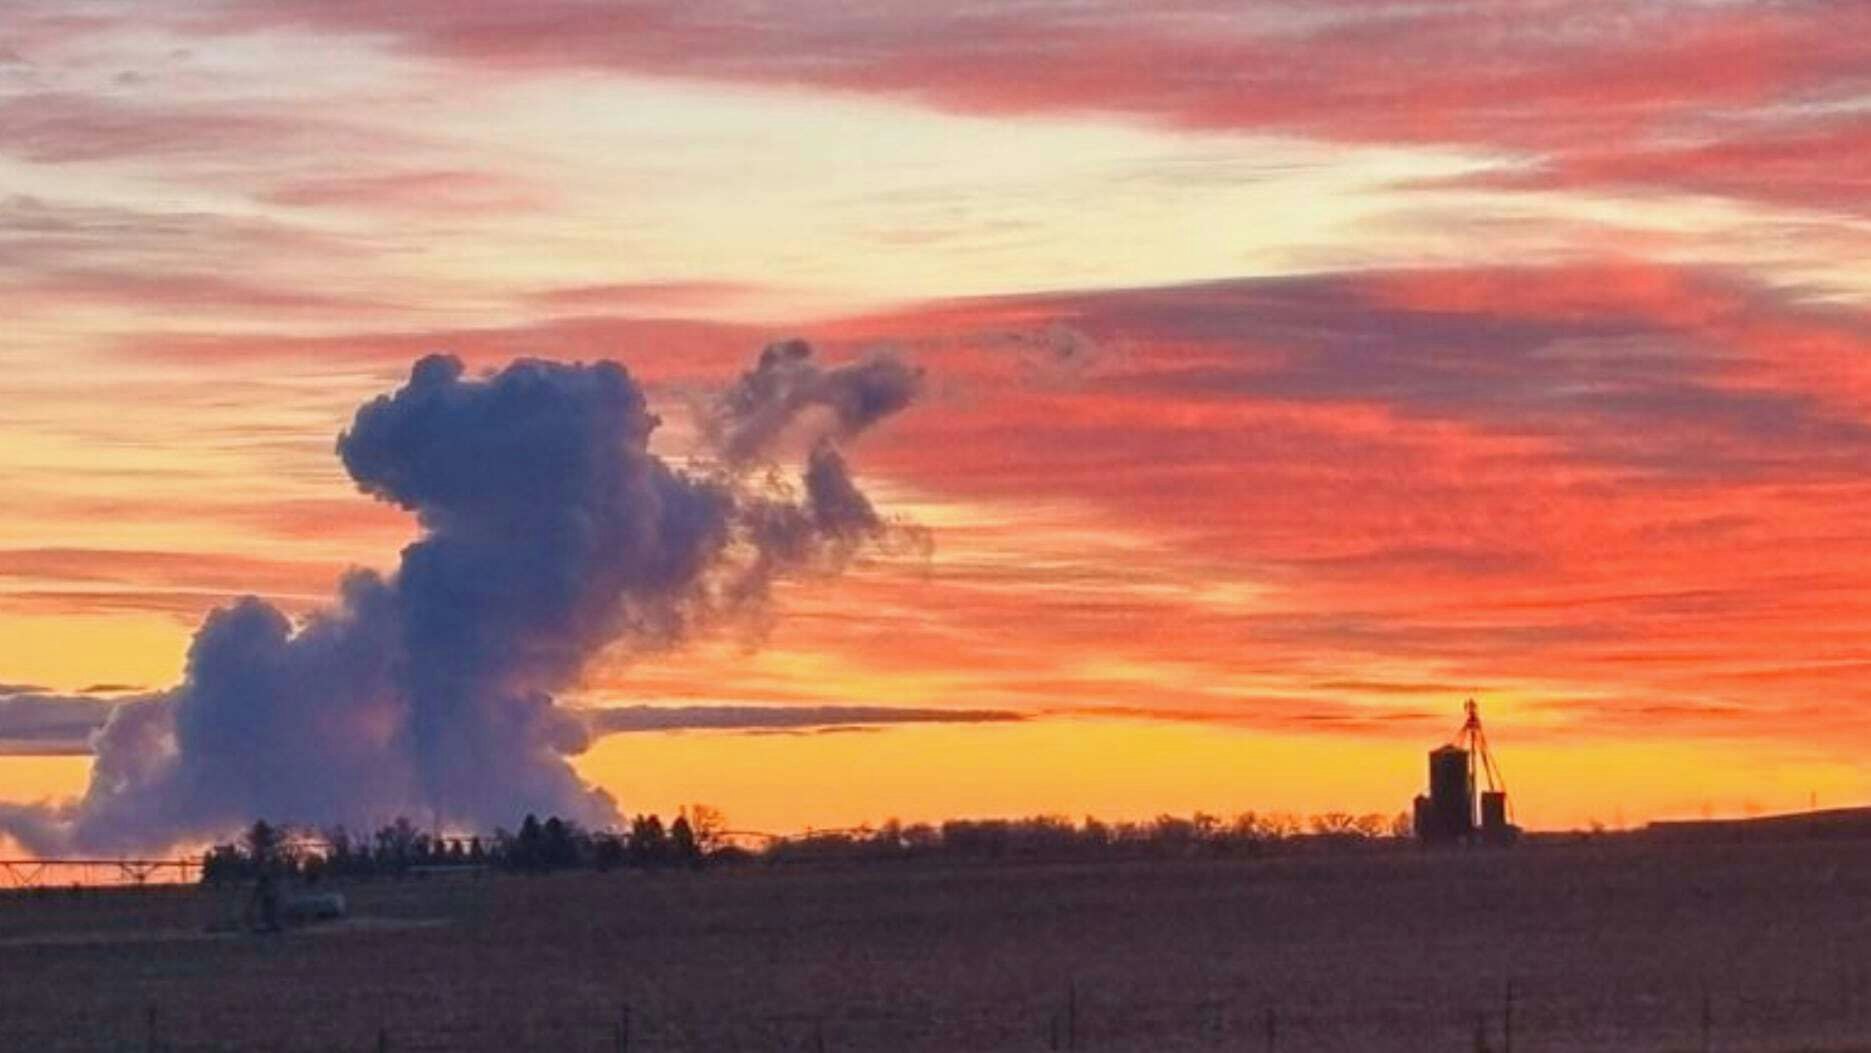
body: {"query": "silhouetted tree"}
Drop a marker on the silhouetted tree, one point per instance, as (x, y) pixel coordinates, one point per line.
(338, 850)
(558, 844)
(223, 864)
(980, 838)
(682, 845)
(649, 845)
(261, 842)
(607, 851)
(1334, 824)
(921, 839)
(709, 824)
(1371, 826)
(396, 845)
(527, 850)
(1173, 836)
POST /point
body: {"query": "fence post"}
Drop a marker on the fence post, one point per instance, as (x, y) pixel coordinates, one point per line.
(1273, 1029)
(623, 1029)
(1845, 991)
(149, 1029)
(818, 1035)
(1071, 1014)
(1708, 1020)
(1507, 1018)
(383, 1040)
(1858, 990)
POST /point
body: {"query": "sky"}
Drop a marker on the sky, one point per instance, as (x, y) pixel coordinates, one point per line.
(1291, 371)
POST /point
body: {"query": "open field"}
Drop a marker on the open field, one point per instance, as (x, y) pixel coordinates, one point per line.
(1609, 946)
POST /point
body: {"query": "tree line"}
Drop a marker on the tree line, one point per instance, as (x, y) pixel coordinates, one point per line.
(698, 836)
(401, 848)
(1048, 837)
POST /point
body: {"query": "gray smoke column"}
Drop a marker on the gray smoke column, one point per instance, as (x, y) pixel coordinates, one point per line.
(549, 532)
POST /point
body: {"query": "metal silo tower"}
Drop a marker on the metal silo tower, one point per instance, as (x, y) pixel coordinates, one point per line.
(1457, 807)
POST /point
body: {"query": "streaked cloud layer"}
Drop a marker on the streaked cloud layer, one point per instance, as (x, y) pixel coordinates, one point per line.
(1292, 368)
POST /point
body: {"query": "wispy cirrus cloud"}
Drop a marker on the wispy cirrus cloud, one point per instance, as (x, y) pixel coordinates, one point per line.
(653, 298)
(418, 191)
(77, 581)
(1632, 367)
(168, 292)
(67, 127)
(43, 234)
(167, 569)
(1683, 83)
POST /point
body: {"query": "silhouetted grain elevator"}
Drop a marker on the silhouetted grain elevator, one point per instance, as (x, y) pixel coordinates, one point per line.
(1456, 809)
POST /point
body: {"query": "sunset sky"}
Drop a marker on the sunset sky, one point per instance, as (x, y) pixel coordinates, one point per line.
(1293, 370)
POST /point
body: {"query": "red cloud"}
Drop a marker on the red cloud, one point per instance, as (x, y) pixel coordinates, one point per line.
(1621, 477)
(1816, 162)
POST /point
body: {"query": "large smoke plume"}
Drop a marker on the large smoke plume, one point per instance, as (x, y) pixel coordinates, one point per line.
(549, 533)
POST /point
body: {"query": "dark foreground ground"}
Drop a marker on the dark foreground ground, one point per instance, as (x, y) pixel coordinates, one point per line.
(1608, 946)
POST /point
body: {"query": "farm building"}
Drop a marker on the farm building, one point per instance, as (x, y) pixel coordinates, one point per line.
(1456, 810)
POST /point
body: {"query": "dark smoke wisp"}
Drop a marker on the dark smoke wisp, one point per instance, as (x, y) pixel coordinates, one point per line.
(549, 533)
(787, 389)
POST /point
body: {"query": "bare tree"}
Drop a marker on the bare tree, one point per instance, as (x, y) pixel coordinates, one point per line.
(709, 824)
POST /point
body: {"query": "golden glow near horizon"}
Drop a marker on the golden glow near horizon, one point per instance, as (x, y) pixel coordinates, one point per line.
(1281, 392)
(1133, 770)
(1119, 770)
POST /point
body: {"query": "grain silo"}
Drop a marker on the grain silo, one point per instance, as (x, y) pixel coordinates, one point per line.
(1456, 800)
(1448, 814)
(1493, 815)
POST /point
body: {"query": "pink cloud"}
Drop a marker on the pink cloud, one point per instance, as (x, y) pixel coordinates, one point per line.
(66, 127)
(172, 291)
(1559, 83)
(417, 191)
(656, 296)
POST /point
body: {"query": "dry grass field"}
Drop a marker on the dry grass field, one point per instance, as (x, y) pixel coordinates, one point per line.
(1608, 945)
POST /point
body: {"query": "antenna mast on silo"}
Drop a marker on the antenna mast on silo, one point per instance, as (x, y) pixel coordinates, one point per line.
(1482, 768)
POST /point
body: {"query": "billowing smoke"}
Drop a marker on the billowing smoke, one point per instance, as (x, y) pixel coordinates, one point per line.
(786, 389)
(549, 533)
